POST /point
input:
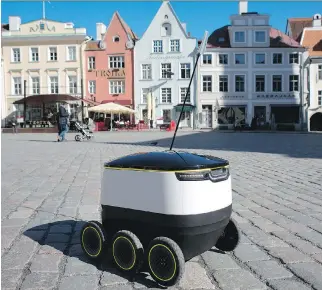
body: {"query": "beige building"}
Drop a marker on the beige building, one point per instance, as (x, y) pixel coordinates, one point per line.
(47, 55)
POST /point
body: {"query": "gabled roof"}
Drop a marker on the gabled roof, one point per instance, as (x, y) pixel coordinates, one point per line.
(312, 39)
(220, 39)
(297, 25)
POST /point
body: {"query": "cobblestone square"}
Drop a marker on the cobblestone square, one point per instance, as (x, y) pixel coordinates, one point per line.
(49, 189)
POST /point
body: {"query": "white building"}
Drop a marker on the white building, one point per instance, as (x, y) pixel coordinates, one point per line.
(165, 48)
(250, 69)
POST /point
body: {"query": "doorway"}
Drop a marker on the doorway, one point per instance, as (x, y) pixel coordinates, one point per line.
(207, 116)
(260, 115)
(316, 122)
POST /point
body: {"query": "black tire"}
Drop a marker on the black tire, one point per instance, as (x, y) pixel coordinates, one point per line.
(229, 239)
(78, 138)
(127, 252)
(165, 261)
(93, 239)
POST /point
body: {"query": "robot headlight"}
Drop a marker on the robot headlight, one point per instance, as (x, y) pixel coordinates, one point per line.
(215, 175)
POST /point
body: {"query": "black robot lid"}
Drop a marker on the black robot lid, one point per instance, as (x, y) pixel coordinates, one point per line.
(166, 161)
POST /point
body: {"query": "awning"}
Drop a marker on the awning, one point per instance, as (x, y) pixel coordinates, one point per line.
(187, 108)
(127, 103)
(49, 98)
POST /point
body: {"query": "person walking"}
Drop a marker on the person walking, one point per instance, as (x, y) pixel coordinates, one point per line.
(63, 122)
(14, 125)
(58, 127)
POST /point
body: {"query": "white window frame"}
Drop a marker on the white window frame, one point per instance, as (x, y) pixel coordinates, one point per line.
(227, 76)
(34, 90)
(116, 61)
(146, 71)
(320, 98)
(289, 83)
(72, 85)
(31, 54)
(13, 54)
(298, 58)
(218, 60)
(92, 87)
(319, 72)
(183, 94)
(282, 82)
(280, 53)
(70, 48)
(91, 63)
(175, 47)
(168, 76)
(244, 32)
(212, 83)
(161, 94)
(245, 83)
(49, 53)
(157, 41)
(265, 83)
(265, 36)
(19, 89)
(116, 87)
(185, 69)
(55, 88)
(265, 58)
(144, 95)
(206, 57)
(239, 53)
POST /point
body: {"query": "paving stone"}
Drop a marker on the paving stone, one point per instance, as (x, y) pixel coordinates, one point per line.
(76, 266)
(216, 260)
(269, 270)
(53, 248)
(64, 229)
(237, 279)
(247, 253)
(79, 283)
(318, 257)
(22, 213)
(111, 278)
(289, 255)
(45, 263)
(10, 278)
(76, 250)
(40, 281)
(57, 238)
(123, 287)
(13, 222)
(287, 284)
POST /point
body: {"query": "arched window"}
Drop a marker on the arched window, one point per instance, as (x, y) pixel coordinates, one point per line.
(166, 29)
(116, 38)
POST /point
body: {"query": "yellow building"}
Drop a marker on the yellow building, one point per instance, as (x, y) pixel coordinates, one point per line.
(47, 55)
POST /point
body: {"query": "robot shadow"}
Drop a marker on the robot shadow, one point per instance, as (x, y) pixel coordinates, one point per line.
(73, 249)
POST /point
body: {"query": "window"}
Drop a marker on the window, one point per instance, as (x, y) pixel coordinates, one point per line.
(117, 87)
(166, 95)
(145, 92)
(185, 70)
(207, 59)
(92, 87)
(223, 58)
(71, 53)
(240, 83)
(277, 58)
(16, 54)
(91, 63)
(260, 36)
(260, 83)
(165, 70)
(35, 83)
(54, 85)
(72, 84)
(319, 98)
(294, 57)
(239, 36)
(183, 92)
(166, 114)
(157, 46)
(294, 83)
(240, 58)
(320, 72)
(206, 83)
(53, 53)
(34, 54)
(175, 45)
(260, 58)
(223, 83)
(166, 29)
(277, 83)
(116, 61)
(146, 71)
(17, 90)
(116, 38)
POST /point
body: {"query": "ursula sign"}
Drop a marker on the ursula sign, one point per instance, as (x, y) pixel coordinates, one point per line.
(110, 73)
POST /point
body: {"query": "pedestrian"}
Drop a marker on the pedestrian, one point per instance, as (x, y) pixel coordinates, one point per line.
(58, 127)
(63, 122)
(14, 125)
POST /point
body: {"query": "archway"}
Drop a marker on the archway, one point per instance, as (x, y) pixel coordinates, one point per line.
(316, 122)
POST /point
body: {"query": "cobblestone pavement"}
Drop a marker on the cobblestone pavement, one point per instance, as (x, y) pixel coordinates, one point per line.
(50, 188)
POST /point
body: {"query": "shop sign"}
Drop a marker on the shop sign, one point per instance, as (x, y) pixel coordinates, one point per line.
(272, 96)
(110, 73)
(231, 97)
(156, 56)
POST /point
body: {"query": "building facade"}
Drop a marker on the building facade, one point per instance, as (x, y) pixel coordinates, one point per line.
(163, 64)
(47, 55)
(250, 70)
(109, 63)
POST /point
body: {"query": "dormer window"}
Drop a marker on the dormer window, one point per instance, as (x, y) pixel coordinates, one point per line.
(221, 39)
(239, 36)
(260, 36)
(116, 38)
(166, 17)
(166, 29)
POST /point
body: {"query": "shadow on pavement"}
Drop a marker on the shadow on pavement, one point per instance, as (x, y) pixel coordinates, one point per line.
(74, 249)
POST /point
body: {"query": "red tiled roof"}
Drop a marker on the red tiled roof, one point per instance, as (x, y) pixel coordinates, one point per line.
(92, 45)
(313, 41)
(297, 25)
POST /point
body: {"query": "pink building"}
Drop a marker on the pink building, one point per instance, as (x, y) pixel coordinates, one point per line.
(109, 63)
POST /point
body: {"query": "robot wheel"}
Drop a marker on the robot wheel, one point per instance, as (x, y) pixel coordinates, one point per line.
(229, 239)
(127, 251)
(78, 138)
(165, 261)
(93, 239)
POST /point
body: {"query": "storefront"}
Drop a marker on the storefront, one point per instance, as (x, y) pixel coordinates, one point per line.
(187, 115)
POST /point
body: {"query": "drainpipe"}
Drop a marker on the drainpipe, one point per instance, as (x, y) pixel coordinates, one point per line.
(301, 91)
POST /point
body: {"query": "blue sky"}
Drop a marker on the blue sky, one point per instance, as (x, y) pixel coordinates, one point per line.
(199, 16)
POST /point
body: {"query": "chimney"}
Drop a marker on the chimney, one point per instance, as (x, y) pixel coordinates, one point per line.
(242, 6)
(184, 25)
(100, 30)
(14, 23)
(316, 20)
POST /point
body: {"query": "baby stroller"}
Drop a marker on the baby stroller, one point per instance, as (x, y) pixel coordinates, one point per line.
(85, 132)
